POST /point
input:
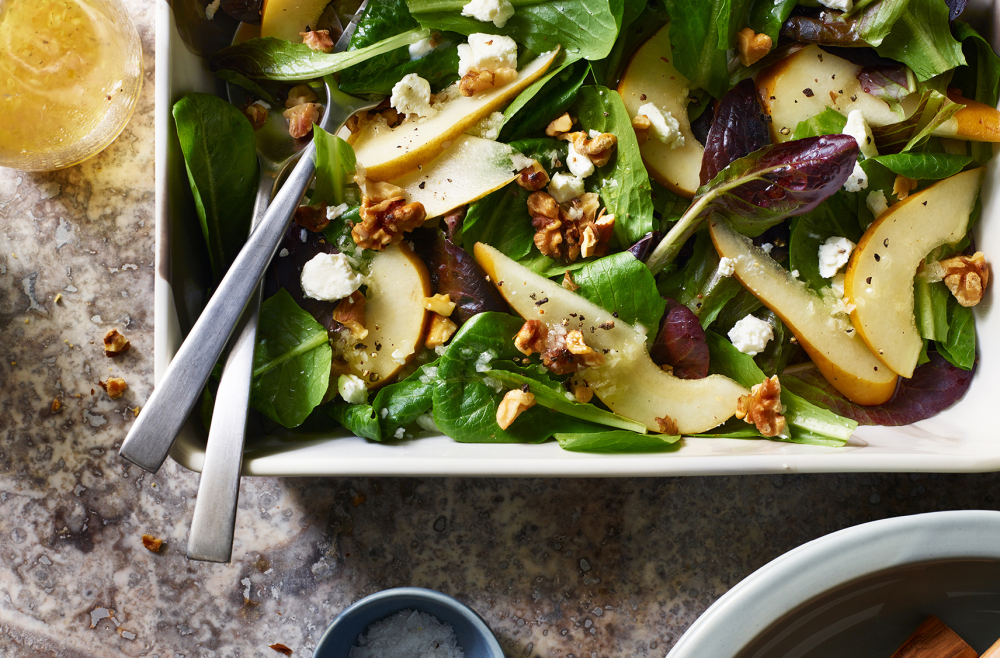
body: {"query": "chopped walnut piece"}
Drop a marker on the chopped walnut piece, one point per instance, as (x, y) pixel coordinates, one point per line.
(384, 223)
(312, 218)
(667, 425)
(256, 114)
(440, 331)
(378, 191)
(588, 242)
(440, 303)
(534, 177)
(568, 283)
(559, 126)
(350, 312)
(599, 149)
(318, 40)
(152, 543)
(301, 119)
(752, 46)
(115, 387)
(902, 186)
(300, 95)
(531, 337)
(966, 277)
(582, 392)
(115, 343)
(541, 204)
(641, 124)
(514, 403)
(56, 405)
(477, 80)
(280, 648)
(585, 354)
(562, 230)
(762, 407)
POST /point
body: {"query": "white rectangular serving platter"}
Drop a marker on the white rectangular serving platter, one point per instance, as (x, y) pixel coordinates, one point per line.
(964, 438)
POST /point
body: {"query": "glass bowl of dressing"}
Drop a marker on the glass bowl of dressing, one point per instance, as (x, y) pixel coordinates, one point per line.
(70, 77)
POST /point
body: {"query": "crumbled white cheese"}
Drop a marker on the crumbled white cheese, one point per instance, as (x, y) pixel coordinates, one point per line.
(594, 134)
(405, 350)
(857, 128)
(839, 5)
(283, 253)
(767, 247)
(837, 284)
(421, 48)
(426, 422)
(726, 266)
(352, 389)
(333, 212)
(579, 164)
(497, 12)
(489, 127)
(399, 433)
(858, 180)
(565, 187)
(412, 95)
(329, 277)
(487, 52)
(834, 254)
(263, 104)
(520, 161)
(211, 9)
(877, 202)
(750, 335)
(795, 274)
(664, 126)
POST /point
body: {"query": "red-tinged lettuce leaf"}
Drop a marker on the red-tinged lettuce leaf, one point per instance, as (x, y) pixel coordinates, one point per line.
(644, 245)
(955, 8)
(680, 343)
(935, 386)
(782, 180)
(454, 272)
(738, 129)
(300, 246)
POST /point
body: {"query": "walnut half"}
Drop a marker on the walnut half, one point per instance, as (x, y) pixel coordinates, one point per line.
(752, 46)
(477, 80)
(966, 277)
(762, 407)
(384, 222)
(514, 403)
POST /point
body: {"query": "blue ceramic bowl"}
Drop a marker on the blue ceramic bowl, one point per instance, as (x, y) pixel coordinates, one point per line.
(474, 636)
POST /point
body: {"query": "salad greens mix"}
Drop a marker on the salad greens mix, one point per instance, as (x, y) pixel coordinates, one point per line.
(691, 174)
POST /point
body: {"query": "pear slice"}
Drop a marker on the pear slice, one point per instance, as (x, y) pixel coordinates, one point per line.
(651, 78)
(801, 85)
(389, 153)
(286, 19)
(394, 316)
(829, 340)
(469, 170)
(879, 279)
(628, 382)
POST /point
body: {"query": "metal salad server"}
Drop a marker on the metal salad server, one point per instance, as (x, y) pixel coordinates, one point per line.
(167, 409)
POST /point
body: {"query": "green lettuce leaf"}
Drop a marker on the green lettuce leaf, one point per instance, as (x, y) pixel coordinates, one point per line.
(623, 285)
(924, 166)
(833, 218)
(701, 33)
(960, 348)
(617, 441)
(827, 122)
(920, 37)
(699, 286)
(767, 16)
(395, 406)
(335, 162)
(545, 99)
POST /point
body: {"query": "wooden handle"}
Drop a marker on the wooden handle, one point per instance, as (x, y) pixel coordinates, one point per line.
(992, 652)
(933, 639)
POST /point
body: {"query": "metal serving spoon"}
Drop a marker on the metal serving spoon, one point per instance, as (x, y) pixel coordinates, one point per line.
(156, 428)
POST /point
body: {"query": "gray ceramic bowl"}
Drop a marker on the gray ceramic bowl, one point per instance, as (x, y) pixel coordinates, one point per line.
(474, 636)
(861, 592)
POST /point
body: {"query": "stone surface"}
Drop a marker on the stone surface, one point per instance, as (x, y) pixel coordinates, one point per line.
(580, 568)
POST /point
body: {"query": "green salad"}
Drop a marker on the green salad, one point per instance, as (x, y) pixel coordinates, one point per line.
(611, 223)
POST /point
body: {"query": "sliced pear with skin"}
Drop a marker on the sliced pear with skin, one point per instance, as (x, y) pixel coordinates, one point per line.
(830, 341)
(389, 153)
(286, 19)
(879, 280)
(469, 170)
(807, 81)
(651, 78)
(628, 382)
(394, 316)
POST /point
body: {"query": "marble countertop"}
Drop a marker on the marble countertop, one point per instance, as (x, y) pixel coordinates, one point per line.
(559, 568)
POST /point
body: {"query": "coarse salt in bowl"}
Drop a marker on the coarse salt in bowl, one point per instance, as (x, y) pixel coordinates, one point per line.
(474, 637)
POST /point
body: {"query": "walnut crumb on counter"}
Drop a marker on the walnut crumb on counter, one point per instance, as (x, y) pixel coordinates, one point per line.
(152, 543)
(115, 343)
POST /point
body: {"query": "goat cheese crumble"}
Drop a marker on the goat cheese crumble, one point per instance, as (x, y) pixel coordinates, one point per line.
(497, 12)
(333, 212)
(412, 95)
(833, 255)
(664, 126)
(578, 163)
(750, 335)
(565, 187)
(487, 52)
(211, 9)
(421, 49)
(839, 5)
(352, 389)
(877, 202)
(329, 277)
(726, 266)
(858, 180)
(857, 128)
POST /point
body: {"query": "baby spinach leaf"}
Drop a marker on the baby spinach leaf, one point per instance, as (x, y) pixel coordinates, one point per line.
(277, 59)
(220, 156)
(622, 183)
(640, 19)
(779, 349)
(291, 362)
(623, 285)
(833, 218)
(395, 406)
(930, 308)
(335, 162)
(920, 38)
(701, 34)
(767, 16)
(827, 122)
(385, 19)
(501, 219)
(698, 285)
(558, 399)
(360, 419)
(587, 27)
(960, 348)
(545, 99)
(924, 166)
(875, 20)
(240, 80)
(617, 441)
(980, 79)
